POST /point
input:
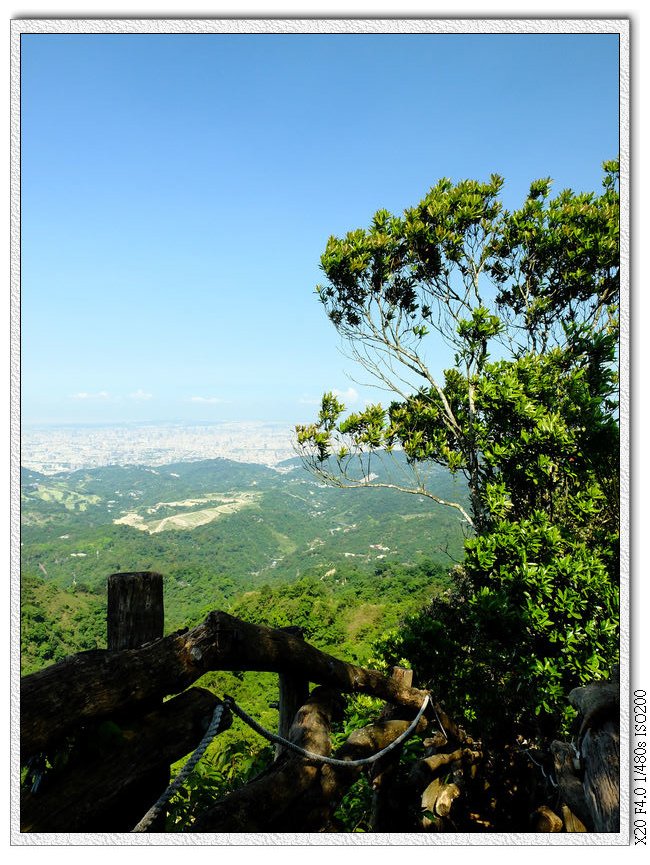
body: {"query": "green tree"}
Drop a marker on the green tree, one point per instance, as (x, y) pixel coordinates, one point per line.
(527, 304)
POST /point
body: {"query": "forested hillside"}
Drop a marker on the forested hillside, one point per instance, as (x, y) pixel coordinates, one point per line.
(278, 547)
(226, 535)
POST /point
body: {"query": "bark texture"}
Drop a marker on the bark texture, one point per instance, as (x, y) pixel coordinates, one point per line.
(88, 794)
(599, 704)
(98, 683)
(135, 609)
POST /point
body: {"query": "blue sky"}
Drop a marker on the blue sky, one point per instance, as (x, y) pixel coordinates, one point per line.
(178, 191)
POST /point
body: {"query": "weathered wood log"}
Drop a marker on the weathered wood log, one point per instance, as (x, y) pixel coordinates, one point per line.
(334, 781)
(87, 794)
(570, 787)
(433, 744)
(135, 611)
(598, 744)
(434, 764)
(375, 737)
(268, 803)
(571, 822)
(99, 683)
(597, 703)
(431, 821)
(445, 730)
(436, 804)
(444, 776)
(403, 677)
(545, 820)
(296, 794)
(293, 693)
(601, 775)
(445, 799)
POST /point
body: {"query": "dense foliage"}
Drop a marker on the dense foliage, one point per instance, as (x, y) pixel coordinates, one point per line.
(294, 528)
(56, 623)
(527, 304)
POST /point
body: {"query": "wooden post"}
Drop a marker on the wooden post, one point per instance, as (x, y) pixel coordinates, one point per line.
(135, 615)
(135, 612)
(404, 677)
(293, 694)
(385, 810)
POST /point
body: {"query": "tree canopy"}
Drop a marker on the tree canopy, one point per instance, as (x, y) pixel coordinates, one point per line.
(526, 302)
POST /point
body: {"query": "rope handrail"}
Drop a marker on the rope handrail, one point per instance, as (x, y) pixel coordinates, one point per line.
(321, 758)
(157, 807)
(213, 729)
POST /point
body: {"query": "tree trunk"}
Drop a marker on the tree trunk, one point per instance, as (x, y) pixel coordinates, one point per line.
(599, 704)
(601, 781)
(570, 787)
(589, 773)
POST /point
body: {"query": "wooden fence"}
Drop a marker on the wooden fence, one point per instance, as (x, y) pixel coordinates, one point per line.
(100, 729)
(99, 716)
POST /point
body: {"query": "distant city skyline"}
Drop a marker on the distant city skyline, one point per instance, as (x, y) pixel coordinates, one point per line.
(52, 448)
(178, 191)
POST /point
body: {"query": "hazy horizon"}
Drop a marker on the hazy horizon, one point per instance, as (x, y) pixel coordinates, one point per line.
(52, 448)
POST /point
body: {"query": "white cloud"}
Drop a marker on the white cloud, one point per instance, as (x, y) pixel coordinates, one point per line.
(348, 396)
(102, 394)
(140, 394)
(210, 399)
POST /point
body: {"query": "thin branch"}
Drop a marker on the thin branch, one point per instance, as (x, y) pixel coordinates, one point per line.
(347, 482)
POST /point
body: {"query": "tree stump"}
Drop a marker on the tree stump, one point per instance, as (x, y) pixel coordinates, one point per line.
(135, 611)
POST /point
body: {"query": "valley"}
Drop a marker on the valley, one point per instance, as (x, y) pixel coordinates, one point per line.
(273, 544)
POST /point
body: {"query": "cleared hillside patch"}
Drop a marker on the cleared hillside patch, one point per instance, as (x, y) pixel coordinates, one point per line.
(187, 520)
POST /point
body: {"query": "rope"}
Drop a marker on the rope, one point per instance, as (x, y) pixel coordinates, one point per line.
(156, 808)
(320, 758)
(442, 729)
(213, 729)
(547, 775)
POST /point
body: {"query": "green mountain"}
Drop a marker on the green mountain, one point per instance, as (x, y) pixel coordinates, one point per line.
(228, 535)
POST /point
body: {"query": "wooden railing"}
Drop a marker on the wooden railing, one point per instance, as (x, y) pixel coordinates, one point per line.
(100, 716)
(100, 729)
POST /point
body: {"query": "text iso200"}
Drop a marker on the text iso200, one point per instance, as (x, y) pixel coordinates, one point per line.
(639, 776)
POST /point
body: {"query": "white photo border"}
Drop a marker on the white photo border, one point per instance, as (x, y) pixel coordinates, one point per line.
(321, 25)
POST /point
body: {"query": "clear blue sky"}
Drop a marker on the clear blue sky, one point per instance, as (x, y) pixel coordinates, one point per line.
(178, 191)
